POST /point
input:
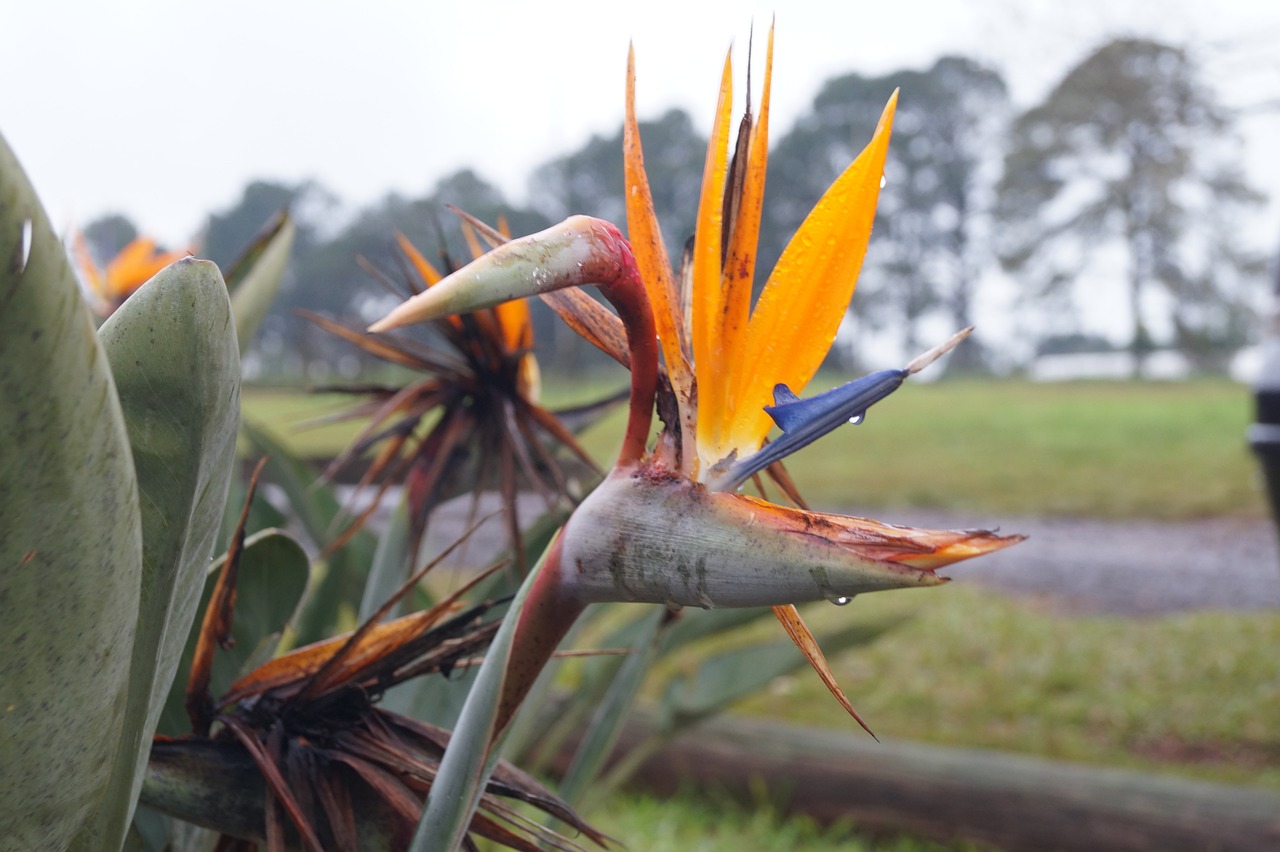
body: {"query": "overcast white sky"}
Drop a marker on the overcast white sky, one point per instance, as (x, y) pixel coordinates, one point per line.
(164, 110)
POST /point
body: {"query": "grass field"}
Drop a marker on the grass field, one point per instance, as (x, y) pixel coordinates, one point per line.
(705, 824)
(1114, 449)
(1195, 694)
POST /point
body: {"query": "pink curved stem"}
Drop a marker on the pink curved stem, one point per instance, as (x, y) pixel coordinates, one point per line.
(613, 270)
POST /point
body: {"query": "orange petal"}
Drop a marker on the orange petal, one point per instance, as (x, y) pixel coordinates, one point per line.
(517, 329)
(808, 645)
(652, 259)
(428, 273)
(88, 269)
(135, 265)
(310, 659)
(473, 242)
(796, 319)
(711, 370)
(740, 264)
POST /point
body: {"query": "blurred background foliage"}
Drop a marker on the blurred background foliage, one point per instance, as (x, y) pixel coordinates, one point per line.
(1122, 187)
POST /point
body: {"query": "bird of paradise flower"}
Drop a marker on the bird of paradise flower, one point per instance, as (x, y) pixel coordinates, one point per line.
(300, 744)
(667, 526)
(133, 266)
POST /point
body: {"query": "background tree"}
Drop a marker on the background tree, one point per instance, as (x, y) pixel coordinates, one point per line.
(590, 180)
(227, 234)
(311, 205)
(335, 278)
(930, 244)
(1132, 152)
(107, 234)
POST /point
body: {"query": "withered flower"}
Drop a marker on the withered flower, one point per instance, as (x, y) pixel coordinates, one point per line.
(473, 422)
(297, 753)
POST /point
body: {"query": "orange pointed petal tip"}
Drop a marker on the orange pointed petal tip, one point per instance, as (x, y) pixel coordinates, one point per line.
(578, 251)
(650, 536)
(800, 634)
(426, 271)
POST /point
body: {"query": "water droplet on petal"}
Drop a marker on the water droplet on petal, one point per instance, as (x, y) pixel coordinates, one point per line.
(883, 181)
(856, 419)
(838, 600)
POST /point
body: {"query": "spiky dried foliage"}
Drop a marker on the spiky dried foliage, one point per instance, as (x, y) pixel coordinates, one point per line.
(473, 422)
(337, 772)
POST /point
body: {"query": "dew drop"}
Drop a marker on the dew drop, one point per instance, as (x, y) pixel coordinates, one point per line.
(842, 600)
(883, 181)
(856, 419)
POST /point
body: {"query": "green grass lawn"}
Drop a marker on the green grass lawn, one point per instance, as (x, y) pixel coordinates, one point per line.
(701, 822)
(1197, 694)
(1154, 450)
(1194, 694)
(1108, 449)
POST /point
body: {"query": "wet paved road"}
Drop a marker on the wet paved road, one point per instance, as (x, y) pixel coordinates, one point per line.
(1132, 567)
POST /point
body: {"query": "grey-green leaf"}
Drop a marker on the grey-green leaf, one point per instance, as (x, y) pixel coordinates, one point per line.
(255, 279)
(318, 510)
(469, 760)
(613, 712)
(70, 545)
(172, 349)
(729, 676)
(273, 575)
(391, 564)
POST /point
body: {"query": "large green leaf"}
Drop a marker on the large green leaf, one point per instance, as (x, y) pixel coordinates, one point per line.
(612, 712)
(391, 564)
(537, 747)
(70, 546)
(472, 754)
(342, 577)
(272, 578)
(731, 675)
(254, 279)
(172, 350)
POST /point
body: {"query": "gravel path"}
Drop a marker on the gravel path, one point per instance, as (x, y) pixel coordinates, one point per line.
(1130, 567)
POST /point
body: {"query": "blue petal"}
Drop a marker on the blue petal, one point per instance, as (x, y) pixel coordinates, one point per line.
(804, 421)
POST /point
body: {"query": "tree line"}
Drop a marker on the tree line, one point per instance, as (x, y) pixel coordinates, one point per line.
(1121, 187)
